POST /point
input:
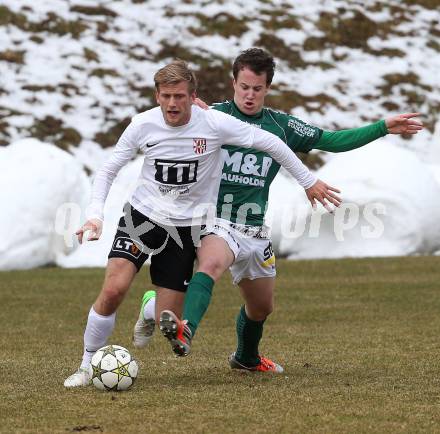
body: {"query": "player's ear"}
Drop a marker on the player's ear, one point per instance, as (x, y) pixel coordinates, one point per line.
(193, 96)
(157, 96)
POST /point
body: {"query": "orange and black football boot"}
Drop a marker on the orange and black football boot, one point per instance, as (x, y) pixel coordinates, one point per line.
(265, 365)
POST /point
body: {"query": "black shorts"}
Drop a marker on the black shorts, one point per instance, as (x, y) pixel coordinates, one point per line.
(171, 248)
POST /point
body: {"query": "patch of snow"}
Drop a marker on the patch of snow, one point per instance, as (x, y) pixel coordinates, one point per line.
(38, 178)
(391, 207)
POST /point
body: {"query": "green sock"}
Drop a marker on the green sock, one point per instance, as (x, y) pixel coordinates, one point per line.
(197, 299)
(249, 334)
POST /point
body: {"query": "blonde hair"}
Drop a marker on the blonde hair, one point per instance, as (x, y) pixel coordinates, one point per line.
(176, 72)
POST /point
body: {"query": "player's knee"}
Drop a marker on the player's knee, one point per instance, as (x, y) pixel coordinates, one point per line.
(212, 267)
(259, 312)
(265, 311)
(268, 309)
(114, 290)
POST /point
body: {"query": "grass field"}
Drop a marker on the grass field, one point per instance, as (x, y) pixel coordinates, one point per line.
(359, 340)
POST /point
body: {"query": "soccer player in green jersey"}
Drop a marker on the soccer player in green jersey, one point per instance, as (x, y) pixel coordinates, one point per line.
(240, 240)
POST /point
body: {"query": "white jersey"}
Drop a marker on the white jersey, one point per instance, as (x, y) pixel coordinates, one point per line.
(182, 167)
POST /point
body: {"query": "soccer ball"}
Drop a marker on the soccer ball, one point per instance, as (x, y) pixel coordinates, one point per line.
(113, 368)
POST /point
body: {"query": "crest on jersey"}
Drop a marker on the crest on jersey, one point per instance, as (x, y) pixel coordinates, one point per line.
(199, 146)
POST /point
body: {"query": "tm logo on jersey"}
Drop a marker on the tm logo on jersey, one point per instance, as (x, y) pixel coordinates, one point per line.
(176, 172)
(245, 164)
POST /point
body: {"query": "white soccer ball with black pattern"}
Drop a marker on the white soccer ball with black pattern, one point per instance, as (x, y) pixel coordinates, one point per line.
(113, 368)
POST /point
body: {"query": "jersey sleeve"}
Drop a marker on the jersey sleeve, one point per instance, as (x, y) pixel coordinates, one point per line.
(299, 135)
(232, 130)
(346, 140)
(277, 149)
(124, 151)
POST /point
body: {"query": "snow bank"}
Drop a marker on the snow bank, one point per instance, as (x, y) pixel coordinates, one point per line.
(44, 195)
(391, 207)
(94, 253)
(36, 180)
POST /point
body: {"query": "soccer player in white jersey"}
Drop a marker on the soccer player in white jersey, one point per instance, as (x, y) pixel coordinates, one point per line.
(246, 245)
(178, 183)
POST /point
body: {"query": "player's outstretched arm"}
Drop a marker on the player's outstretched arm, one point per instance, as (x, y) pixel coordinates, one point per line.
(347, 140)
(403, 124)
(94, 226)
(324, 194)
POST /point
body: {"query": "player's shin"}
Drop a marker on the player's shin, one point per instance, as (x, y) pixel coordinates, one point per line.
(144, 328)
(149, 305)
(249, 334)
(197, 299)
(98, 330)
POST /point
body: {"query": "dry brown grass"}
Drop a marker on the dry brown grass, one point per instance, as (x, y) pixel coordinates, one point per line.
(358, 339)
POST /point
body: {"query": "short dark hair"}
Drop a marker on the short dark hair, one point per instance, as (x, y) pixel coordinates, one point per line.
(257, 60)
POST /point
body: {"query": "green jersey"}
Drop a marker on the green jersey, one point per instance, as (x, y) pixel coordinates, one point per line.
(248, 173)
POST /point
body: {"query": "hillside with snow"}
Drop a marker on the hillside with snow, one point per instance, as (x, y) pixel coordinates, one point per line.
(73, 72)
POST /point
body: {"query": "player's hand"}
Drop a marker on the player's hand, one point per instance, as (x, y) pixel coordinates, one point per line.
(202, 104)
(323, 193)
(92, 225)
(404, 124)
